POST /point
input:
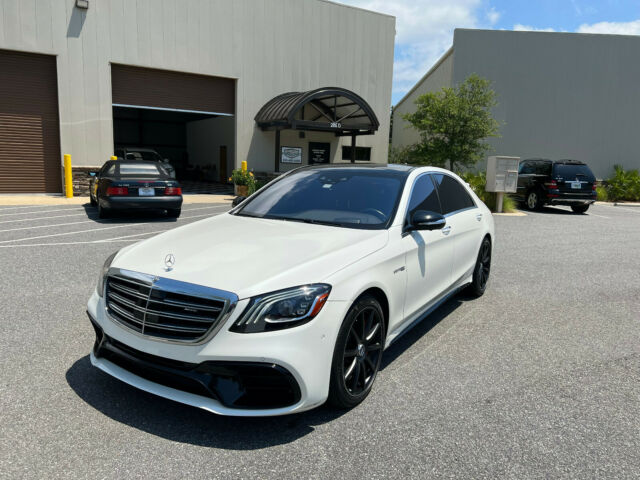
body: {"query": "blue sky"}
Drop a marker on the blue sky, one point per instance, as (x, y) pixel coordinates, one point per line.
(424, 28)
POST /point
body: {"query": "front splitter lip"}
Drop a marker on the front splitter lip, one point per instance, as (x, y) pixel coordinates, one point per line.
(197, 401)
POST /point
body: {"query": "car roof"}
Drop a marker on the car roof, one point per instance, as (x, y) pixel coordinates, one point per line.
(568, 161)
(395, 168)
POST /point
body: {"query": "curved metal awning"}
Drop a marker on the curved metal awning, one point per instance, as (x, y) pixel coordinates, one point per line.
(329, 109)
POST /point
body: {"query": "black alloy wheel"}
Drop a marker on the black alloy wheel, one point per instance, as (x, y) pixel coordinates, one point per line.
(482, 269)
(358, 353)
(533, 200)
(579, 208)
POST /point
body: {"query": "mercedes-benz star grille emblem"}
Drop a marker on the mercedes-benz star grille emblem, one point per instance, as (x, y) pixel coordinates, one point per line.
(169, 261)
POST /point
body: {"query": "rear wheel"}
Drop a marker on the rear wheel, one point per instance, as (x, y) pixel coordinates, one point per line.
(357, 354)
(579, 208)
(533, 200)
(174, 212)
(482, 269)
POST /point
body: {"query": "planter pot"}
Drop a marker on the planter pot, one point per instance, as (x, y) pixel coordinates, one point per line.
(242, 190)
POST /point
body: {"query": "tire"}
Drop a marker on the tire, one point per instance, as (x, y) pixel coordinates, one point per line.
(579, 208)
(356, 360)
(92, 201)
(482, 269)
(533, 200)
(174, 212)
(103, 212)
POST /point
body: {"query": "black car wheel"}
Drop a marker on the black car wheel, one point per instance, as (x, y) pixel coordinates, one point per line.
(533, 200)
(357, 354)
(482, 269)
(579, 208)
(173, 212)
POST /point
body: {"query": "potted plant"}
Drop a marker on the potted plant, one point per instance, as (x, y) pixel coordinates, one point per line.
(243, 181)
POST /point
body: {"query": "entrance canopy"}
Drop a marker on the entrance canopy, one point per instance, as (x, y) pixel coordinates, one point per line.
(329, 109)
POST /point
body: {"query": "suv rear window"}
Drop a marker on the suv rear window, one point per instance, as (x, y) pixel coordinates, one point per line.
(570, 171)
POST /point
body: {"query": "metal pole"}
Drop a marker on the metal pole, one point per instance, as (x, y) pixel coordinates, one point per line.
(499, 196)
(68, 177)
(353, 148)
(277, 156)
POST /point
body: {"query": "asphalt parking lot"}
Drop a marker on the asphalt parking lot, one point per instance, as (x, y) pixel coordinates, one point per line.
(538, 378)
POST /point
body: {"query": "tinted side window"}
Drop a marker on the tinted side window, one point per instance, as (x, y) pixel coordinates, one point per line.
(424, 196)
(527, 168)
(453, 196)
(543, 168)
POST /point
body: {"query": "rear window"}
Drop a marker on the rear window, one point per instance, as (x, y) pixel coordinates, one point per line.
(137, 169)
(570, 172)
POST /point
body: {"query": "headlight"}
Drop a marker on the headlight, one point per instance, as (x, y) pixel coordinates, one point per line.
(103, 272)
(282, 309)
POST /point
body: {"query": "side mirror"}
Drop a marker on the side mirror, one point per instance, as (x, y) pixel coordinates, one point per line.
(425, 220)
(165, 160)
(238, 200)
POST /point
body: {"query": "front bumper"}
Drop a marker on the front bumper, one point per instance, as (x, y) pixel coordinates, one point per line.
(259, 374)
(150, 203)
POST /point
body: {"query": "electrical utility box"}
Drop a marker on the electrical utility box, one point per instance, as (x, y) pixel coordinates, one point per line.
(502, 174)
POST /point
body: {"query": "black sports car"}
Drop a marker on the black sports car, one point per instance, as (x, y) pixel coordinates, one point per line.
(134, 185)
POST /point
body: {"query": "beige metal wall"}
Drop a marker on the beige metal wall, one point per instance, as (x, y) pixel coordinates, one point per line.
(269, 46)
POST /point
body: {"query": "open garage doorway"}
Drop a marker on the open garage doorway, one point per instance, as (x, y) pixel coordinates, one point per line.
(187, 119)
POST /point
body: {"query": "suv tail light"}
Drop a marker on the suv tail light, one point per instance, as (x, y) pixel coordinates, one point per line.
(173, 191)
(552, 185)
(595, 185)
(115, 191)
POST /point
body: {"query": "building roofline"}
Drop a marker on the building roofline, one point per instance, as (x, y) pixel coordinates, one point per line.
(357, 8)
(446, 55)
(547, 32)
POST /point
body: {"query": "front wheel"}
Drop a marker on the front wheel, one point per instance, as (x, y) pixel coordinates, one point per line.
(579, 208)
(357, 354)
(482, 269)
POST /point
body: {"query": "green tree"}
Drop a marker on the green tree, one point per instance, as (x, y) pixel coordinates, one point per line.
(453, 125)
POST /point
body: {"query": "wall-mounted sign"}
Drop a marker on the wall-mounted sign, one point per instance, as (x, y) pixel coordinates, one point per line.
(319, 152)
(291, 155)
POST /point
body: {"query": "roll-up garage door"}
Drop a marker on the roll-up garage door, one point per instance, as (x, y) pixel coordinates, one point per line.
(29, 127)
(167, 90)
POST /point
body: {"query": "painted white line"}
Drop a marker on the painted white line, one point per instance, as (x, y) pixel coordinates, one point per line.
(68, 209)
(95, 230)
(616, 207)
(2, 209)
(46, 226)
(62, 243)
(43, 218)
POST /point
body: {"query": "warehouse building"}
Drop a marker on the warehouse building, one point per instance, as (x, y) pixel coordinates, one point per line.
(206, 84)
(560, 95)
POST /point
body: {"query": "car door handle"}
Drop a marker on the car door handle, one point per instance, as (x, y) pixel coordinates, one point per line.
(479, 216)
(446, 230)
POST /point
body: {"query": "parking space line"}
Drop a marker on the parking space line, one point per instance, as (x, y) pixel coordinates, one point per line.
(44, 226)
(620, 208)
(68, 209)
(42, 218)
(87, 231)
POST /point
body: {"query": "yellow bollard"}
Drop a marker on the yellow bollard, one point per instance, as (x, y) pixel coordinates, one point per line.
(68, 177)
(244, 165)
(113, 157)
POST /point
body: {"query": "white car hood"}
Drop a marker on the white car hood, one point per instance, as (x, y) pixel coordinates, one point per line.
(251, 256)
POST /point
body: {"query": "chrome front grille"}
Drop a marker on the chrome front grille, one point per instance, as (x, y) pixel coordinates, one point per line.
(165, 309)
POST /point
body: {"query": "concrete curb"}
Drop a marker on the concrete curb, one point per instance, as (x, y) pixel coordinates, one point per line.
(10, 200)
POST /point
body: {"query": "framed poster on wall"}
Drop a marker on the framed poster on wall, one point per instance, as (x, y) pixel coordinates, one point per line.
(319, 152)
(291, 155)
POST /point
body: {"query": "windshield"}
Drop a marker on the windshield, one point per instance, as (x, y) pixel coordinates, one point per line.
(140, 169)
(570, 171)
(346, 197)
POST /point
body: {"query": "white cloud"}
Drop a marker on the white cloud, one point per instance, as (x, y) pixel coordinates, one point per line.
(493, 16)
(424, 31)
(518, 27)
(620, 28)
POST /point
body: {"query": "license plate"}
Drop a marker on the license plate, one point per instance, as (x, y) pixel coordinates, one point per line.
(146, 192)
(576, 185)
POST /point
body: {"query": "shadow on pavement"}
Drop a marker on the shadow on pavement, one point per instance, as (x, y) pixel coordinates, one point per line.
(182, 423)
(129, 217)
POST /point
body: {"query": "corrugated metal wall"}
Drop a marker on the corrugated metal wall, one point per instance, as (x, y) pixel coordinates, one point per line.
(29, 132)
(270, 46)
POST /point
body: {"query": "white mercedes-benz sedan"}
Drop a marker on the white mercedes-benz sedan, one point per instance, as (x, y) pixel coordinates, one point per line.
(289, 299)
